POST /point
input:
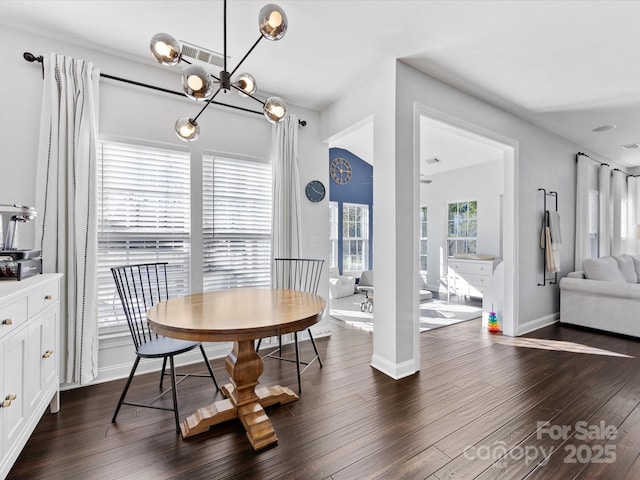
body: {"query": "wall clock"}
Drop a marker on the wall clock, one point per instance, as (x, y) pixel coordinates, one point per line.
(315, 191)
(340, 170)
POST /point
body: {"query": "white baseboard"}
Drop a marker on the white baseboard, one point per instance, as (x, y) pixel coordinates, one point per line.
(122, 370)
(394, 370)
(117, 355)
(538, 323)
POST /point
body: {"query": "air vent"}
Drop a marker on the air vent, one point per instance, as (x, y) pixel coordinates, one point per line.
(432, 160)
(202, 55)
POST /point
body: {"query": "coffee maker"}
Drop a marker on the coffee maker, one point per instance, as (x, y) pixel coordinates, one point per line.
(15, 262)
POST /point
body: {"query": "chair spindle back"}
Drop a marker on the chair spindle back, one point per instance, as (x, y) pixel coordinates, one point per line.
(140, 287)
(301, 274)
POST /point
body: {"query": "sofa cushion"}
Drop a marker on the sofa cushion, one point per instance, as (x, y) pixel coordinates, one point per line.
(604, 269)
(636, 264)
(627, 268)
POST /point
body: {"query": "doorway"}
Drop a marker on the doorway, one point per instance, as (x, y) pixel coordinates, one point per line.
(461, 167)
(351, 219)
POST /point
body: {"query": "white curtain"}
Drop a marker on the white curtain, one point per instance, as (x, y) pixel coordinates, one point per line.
(633, 215)
(618, 217)
(605, 212)
(583, 242)
(286, 241)
(66, 203)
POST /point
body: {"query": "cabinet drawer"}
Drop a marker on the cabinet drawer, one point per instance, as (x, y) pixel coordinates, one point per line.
(43, 297)
(12, 316)
(474, 268)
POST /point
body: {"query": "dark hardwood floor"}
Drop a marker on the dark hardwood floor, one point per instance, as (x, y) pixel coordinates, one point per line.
(474, 411)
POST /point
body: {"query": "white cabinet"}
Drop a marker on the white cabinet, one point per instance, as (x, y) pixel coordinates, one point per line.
(469, 277)
(29, 362)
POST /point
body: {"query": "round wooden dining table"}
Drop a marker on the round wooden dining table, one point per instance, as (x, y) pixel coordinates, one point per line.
(241, 315)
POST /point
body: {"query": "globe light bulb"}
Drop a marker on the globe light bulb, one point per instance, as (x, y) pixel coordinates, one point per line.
(197, 83)
(272, 22)
(165, 49)
(275, 109)
(187, 129)
(246, 85)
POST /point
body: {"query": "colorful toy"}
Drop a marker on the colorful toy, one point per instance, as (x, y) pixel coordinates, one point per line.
(493, 322)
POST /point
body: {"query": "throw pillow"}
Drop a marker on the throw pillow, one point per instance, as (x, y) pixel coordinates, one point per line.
(627, 268)
(604, 269)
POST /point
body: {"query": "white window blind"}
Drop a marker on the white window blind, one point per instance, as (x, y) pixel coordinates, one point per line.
(237, 223)
(143, 217)
(423, 239)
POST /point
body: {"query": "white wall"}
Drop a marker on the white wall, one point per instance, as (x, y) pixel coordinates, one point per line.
(130, 112)
(484, 183)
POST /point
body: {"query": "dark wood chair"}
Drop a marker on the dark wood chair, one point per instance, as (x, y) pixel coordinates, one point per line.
(301, 274)
(140, 287)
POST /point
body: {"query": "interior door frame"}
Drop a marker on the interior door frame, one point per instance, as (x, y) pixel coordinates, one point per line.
(510, 203)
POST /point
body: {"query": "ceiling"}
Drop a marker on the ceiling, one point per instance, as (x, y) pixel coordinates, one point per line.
(568, 66)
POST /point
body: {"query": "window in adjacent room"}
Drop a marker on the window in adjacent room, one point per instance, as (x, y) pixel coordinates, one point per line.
(355, 237)
(462, 228)
(143, 217)
(333, 234)
(423, 240)
(236, 223)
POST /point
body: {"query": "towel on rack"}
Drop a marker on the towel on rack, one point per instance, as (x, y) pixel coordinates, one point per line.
(554, 225)
(551, 247)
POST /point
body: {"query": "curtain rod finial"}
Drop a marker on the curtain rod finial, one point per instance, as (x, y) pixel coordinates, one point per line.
(30, 57)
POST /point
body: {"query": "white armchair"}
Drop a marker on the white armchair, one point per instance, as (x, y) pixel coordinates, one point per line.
(340, 285)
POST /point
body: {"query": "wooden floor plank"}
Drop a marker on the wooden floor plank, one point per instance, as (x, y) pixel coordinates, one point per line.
(352, 421)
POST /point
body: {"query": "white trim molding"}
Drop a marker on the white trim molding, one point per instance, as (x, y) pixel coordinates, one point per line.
(394, 370)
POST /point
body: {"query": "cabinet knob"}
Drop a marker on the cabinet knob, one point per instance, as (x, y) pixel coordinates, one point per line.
(11, 396)
(7, 321)
(48, 297)
(47, 354)
(8, 399)
(5, 404)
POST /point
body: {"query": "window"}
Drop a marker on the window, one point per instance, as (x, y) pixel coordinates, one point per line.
(236, 223)
(355, 237)
(423, 239)
(462, 229)
(143, 217)
(333, 234)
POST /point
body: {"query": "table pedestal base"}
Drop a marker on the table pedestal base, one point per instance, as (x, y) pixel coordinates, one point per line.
(243, 400)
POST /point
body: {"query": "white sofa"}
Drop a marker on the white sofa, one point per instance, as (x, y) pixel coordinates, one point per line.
(605, 295)
(340, 285)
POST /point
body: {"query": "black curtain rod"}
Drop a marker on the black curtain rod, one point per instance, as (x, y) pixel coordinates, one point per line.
(30, 57)
(602, 164)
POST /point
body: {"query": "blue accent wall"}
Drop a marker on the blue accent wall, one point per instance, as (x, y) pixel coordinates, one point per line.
(358, 190)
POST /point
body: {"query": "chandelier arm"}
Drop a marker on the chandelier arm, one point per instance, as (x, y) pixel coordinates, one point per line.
(207, 104)
(225, 35)
(246, 55)
(261, 102)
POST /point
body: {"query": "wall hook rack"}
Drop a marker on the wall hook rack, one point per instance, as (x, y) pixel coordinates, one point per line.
(546, 224)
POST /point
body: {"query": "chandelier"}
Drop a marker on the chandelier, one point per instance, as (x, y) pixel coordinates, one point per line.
(202, 86)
